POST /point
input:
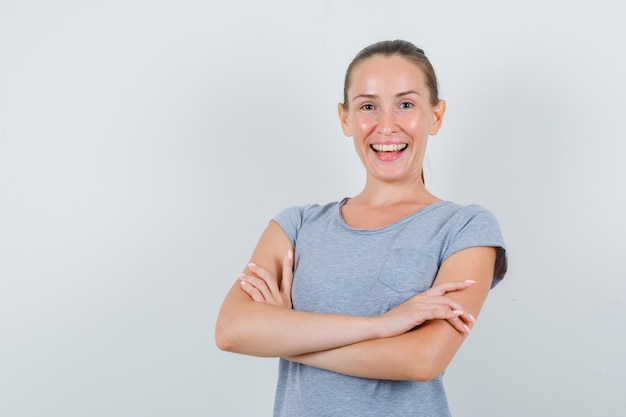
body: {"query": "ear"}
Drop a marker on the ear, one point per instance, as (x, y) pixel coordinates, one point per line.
(343, 119)
(438, 112)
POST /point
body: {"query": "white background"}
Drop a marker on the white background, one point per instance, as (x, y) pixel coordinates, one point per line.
(144, 145)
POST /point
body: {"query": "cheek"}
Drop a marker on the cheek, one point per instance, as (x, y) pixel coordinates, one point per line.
(363, 125)
(417, 124)
(411, 121)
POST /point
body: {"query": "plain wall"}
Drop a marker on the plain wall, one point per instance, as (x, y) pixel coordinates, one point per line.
(144, 145)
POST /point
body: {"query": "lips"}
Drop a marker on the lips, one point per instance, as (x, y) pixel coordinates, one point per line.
(388, 147)
(388, 152)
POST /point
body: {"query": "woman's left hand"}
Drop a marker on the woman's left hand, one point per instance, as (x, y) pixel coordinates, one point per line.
(264, 287)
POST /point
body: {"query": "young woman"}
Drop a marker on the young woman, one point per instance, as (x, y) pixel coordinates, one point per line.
(366, 300)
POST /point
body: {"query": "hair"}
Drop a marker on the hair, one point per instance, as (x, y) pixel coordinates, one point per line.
(399, 48)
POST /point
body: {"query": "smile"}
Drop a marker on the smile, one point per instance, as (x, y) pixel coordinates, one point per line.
(389, 147)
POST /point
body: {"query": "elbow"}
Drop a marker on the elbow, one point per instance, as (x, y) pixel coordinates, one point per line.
(225, 337)
(232, 331)
(235, 334)
(222, 341)
(426, 367)
(425, 373)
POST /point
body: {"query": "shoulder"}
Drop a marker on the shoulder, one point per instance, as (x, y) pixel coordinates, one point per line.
(476, 214)
(302, 213)
(292, 219)
(458, 216)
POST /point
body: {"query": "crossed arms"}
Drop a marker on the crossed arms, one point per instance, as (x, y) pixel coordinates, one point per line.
(256, 318)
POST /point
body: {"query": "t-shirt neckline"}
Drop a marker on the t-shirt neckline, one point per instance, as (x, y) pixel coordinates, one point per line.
(427, 208)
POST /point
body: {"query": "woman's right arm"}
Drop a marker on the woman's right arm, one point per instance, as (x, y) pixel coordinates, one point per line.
(262, 329)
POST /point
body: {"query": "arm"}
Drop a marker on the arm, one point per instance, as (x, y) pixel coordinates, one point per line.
(262, 329)
(425, 352)
(266, 329)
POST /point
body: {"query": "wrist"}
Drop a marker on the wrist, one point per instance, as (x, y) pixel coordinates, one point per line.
(377, 327)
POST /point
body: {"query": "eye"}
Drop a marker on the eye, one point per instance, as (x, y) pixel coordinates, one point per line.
(367, 107)
(406, 105)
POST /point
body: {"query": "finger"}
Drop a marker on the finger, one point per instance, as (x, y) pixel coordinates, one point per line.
(265, 275)
(452, 286)
(445, 287)
(468, 318)
(252, 291)
(439, 300)
(463, 317)
(287, 279)
(459, 325)
(452, 316)
(259, 284)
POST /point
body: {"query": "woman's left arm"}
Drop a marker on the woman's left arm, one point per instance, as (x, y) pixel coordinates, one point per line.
(425, 352)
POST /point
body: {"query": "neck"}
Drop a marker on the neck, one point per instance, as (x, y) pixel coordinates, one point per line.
(379, 193)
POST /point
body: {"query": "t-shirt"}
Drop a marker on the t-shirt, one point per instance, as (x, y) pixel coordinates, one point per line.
(343, 270)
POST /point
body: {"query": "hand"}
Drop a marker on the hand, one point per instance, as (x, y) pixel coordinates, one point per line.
(429, 305)
(263, 286)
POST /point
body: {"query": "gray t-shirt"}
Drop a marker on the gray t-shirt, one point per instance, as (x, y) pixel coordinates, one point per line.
(342, 270)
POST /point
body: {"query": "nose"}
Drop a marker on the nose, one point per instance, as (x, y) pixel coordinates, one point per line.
(387, 123)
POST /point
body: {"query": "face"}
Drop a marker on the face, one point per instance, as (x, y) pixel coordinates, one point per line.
(389, 116)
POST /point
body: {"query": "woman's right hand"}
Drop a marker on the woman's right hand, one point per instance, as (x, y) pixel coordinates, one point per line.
(432, 304)
(266, 288)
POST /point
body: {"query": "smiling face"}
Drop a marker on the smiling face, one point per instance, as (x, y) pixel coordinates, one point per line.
(389, 115)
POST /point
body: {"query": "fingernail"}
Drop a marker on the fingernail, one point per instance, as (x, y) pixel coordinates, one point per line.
(472, 318)
(457, 312)
(467, 328)
(251, 265)
(241, 275)
(470, 281)
(290, 254)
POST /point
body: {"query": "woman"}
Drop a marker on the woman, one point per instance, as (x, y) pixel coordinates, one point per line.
(387, 284)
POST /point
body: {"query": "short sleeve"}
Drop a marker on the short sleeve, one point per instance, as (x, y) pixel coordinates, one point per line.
(476, 226)
(290, 220)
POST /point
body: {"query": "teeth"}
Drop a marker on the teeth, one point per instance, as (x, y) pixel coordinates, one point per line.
(389, 147)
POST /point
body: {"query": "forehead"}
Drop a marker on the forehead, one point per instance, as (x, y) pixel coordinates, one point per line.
(390, 72)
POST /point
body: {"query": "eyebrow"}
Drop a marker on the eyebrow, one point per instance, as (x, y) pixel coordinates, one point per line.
(373, 96)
